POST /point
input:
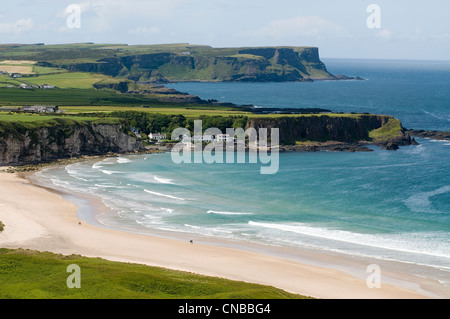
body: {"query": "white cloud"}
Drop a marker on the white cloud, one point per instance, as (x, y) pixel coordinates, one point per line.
(103, 15)
(307, 26)
(146, 30)
(20, 26)
(385, 34)
(66, 11)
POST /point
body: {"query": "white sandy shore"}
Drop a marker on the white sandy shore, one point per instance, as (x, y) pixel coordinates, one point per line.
(39, 219)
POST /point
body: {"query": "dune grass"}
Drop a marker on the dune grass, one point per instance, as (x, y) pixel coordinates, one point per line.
(42, 275)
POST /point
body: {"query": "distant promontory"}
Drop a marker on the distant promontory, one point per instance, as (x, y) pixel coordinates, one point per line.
(182, 62)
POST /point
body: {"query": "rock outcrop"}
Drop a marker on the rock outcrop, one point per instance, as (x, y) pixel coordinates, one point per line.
(313, 131)
(436, 135)
(63, 141)
(20, 144)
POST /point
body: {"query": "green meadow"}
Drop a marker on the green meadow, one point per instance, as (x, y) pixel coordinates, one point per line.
(27, 274)
(68, 80)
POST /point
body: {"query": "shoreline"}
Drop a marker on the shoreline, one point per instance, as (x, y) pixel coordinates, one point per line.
(56, 228)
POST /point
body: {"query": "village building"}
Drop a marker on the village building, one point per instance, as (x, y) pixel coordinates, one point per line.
(157, 136)
(224, 138)
(40, 109)
(203, 138)
(48, 86)
(184, 138)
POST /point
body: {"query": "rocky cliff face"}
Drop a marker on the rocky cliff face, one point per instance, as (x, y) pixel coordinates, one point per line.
(50, 143)
(232, 64)
(324, 128)
(19, 145)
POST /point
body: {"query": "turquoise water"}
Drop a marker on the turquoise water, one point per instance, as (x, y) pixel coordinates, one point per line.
(418, 93)
(383, 204)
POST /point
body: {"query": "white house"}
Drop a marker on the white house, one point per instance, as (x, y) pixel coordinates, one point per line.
(40, 109)
(224, 138)
(47, 86)
(208, 138)
(202, 138)
(157, 136)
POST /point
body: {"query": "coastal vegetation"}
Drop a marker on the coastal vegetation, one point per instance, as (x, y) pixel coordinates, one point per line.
(2, 226)
(80, 80)
(110, 103)
(42, 275)
(177, 62)
(392, 128)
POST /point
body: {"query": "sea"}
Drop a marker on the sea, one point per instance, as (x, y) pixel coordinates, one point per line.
(383, 205)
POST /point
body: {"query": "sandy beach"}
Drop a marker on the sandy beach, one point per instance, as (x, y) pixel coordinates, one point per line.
(39, 219)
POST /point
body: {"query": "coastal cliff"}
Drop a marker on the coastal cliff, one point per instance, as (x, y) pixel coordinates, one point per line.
(63, 138)
(162, 64)
(336, 132)
(21, 145)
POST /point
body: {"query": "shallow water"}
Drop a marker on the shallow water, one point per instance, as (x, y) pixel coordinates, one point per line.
(382, 204)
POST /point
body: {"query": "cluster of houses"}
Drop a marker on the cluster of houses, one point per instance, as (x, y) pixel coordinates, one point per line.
(35, 86)
(186, 139)
(12, 75)
(33, 109)
(39, 109)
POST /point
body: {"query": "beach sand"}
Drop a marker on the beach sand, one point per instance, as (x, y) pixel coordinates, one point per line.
(36, 218)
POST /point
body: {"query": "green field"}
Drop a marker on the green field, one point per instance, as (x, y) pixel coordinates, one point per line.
(177, 62)
(193, 111)
(43, 275)
(7, 81)
(15, 96)
(41, 70)
(68, 80)
(59, 77)
(34, 118)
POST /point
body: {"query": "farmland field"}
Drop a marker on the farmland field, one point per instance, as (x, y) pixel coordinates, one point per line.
(67, 80)
(22, 69)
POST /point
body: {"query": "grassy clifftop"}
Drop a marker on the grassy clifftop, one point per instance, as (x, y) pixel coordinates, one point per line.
(178, 62)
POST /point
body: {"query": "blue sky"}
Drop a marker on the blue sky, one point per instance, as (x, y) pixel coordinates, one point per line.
(408, 29)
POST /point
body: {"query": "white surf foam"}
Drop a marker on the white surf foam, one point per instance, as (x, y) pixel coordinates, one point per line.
(163, 180)
(75, 174)
(417, 243)
(163, 195)
(97, 165)
(104, 171)
(123, 160)
(421, 203)
(226, 213)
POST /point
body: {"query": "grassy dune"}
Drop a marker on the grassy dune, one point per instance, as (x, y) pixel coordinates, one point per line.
(32, 275)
